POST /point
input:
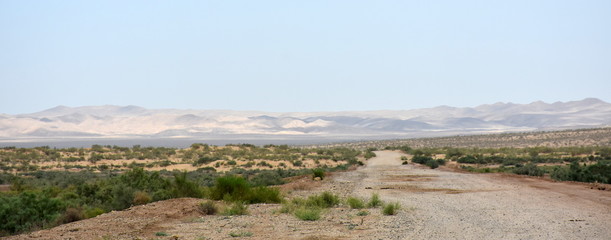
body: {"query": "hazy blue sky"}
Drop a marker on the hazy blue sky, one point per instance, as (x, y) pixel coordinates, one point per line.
(301, 55)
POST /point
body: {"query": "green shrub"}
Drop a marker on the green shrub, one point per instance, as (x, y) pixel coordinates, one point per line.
(432, 163)
(441, 162)
(264, 164)
(599, 172)
(208, 207)
(355, 203)
(391, 208)
(529, 169)
(308, 214)
(324, 200)
(468, 159)
(318, 172)
(161, 234)
(421, 159)
(369, 154)
(182, 187)
(93, 212)
(374, 201)
(122, 196)
(27, 210)
(267, 178)
(362, 213)
(263, 195)
(237, 208)
(561, 173)
(230, 187)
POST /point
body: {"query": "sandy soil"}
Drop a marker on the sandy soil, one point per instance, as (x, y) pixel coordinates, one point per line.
(452, 205)
(436, 204)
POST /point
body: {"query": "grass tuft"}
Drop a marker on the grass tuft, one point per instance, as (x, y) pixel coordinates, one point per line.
(391, 208)
(375, 201)
(355, 203)
(240, 234)
(308, 214)
(324, 200)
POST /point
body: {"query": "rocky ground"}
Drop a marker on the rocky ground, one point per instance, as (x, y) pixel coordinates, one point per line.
(436, 204)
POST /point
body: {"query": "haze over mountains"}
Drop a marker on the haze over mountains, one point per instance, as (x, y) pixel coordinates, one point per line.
(132, 122)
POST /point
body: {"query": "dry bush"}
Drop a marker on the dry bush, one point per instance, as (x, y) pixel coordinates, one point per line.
(141, 198)
(71, 215)
(208, 207)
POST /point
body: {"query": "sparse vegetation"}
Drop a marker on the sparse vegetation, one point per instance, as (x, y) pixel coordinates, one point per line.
(323, 200)
(208, 207)
(236, 208)
(114, 158)
(233, 188)
(369, 154)
(78, 183)
(355, 203)
(529, 169)
(598, 172)
(240, 234)
(318, 173)
(362, 213)
(311, 208)
(308, 214)
(374, 201)
(391, 208)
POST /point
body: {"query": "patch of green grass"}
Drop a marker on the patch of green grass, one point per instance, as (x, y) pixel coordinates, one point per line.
(355, 203)
(362, 213)
(391, 208)
(240, 234)
(323, 200)
(92, 212)
(264, 195)
(308, 214)
(161, 234)
(374, 201)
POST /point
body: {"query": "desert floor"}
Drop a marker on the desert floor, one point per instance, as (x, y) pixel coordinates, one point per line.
(436, 204)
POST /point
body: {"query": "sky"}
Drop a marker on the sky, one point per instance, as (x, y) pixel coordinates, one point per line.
(301, 56)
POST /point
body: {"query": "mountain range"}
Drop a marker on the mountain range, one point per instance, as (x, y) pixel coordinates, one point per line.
(135, 122)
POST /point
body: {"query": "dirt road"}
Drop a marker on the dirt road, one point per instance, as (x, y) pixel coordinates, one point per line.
(452, 205)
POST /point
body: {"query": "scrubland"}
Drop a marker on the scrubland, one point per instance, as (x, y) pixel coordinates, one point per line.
(246, 191)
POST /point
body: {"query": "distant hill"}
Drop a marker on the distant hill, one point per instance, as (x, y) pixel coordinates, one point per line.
(136, 122)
